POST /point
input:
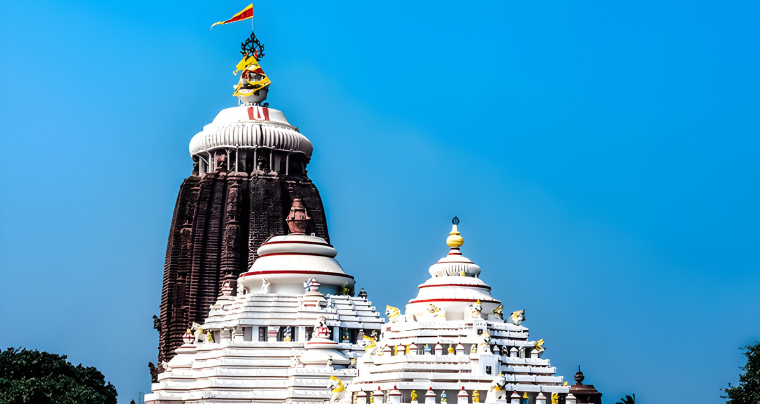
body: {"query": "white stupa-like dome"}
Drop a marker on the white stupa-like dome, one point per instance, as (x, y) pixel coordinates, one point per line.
(286, 262)
(454, 284)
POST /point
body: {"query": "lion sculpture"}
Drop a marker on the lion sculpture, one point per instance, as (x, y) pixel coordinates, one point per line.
(436, 312)
(539, 347)
(370, 345)
(499, 312)
(265, 287)
(473, 311)
(484, 347)
(337, 388)
(198, 332)
(517, 317)
(393, 313)
(498, 388)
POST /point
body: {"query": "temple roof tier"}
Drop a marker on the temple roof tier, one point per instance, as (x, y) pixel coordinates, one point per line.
(249, 127)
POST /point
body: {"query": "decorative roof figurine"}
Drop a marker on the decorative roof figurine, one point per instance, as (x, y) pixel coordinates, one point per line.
(298, 218)
(252, 87)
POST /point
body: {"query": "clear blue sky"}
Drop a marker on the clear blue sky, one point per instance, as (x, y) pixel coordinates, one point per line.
(603, 158)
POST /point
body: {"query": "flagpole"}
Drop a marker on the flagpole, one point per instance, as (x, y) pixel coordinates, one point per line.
(252, 18)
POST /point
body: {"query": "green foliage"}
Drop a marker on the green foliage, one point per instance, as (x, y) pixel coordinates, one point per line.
(627, 400)
(41, 377)
(748, 390)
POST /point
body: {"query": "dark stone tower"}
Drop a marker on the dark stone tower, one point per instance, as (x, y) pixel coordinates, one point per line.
(249, 166)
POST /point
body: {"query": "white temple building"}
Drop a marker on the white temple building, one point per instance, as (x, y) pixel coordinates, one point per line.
(453, 343)
(292, 331)
(279, 338)
(291, 335)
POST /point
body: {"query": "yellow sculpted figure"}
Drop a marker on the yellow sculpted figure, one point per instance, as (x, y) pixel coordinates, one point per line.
(540, 346)
(337, 389)
(253, 78)
(451, 348)
(555, 398)
(475, 397)
(393, 313)
(370, 343)
(414, 395)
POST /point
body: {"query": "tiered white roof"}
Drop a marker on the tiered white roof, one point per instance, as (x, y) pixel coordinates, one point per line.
(250, 126)
(272, 342)
(453, 338)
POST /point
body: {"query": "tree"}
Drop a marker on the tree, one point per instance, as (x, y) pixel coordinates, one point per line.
(748, 390)
(40, 377)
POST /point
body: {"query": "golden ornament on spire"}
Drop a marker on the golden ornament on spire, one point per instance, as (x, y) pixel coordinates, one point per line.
(454, 240)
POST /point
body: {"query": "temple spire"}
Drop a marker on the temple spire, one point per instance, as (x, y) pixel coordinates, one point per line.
(454, 240)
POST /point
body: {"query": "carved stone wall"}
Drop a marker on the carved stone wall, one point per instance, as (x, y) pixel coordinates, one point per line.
(220, 220)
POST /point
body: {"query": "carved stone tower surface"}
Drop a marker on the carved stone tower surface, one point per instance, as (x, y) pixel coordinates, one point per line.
(249, 168)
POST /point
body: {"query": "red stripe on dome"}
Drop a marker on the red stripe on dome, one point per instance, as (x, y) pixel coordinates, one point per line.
(455, 285)
(296, 253)
(297, 242)
(452, 300)
(296, 272)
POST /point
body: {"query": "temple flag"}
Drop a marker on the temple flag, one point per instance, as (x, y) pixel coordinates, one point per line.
(246, 14)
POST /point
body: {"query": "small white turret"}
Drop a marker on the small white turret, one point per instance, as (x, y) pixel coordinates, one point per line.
(430, 396)
(463, 397)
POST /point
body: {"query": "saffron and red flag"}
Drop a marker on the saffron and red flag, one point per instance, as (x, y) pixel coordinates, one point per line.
(246, 14)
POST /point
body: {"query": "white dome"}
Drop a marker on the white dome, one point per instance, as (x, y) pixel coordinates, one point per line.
(248, 127)
(454, 264)
(288, 261)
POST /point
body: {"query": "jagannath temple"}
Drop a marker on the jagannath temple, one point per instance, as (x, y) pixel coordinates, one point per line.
(255, 308)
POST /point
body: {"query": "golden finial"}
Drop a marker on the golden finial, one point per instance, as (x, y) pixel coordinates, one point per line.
(454, 240)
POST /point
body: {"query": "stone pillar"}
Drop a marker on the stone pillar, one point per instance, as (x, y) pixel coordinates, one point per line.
(534, 354)
(570, 399)
(287, 164)
(540, 398)
(361, 398)
(400, 349)
(438, 349)
(513, 352)
(430, 396)
(462, 397)
(301, 334)
(336, 334)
